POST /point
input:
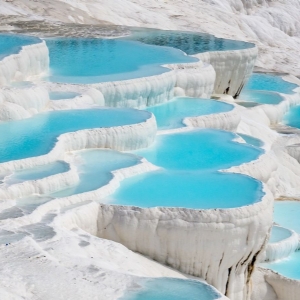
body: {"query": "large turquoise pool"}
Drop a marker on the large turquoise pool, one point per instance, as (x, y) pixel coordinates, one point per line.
(202, 149)
(37, 135)
(12, 43)
(269, 82)
(172, 289)
(83, 60)
(188, 42)
(170, 115)
(189, 176)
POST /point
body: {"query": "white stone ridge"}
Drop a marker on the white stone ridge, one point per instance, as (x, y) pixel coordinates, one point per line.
(122, 138)
(273, 286)
(233, 68)
(45, 185)
(283, 248)
(226, 121)
(31, 61)
(16, 104)
(174, 236)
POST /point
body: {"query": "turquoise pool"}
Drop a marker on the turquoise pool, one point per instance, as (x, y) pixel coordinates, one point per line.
(292, 118)
(288, 267)
(62, 95)
(201, 149)
(37, 135)
(38, 172)
(95, 167)
(251, 140)
(286, 214)
(190, 176)
(269, 82)
(172, 289)
(171, 114)
(195, 190)
(12, 43)
(189, 42)
(279, 234)
(84, 60)
(262, 97)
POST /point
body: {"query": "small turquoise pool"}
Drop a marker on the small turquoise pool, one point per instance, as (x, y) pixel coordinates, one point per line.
(37, 135)
(95, 167)
(201, 149)
(38, 172)
(86, 60)
(251, 140)
(171, 114)
(286, 214)
(188, 42)
(62, 95)
(279, 234)
(262, 97)
(12, 43)
(292, 118)
(288, 267)
(269, 82)
(172, 289)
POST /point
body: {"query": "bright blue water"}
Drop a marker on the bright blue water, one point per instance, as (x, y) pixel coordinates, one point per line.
(62, 95)
(292, 118)
(188, 42)
(196, 190)
(171, 114)
(172, 289)
(38, 172)
(278, 234)
(82, 60)
(262, 97)
(203, 149)
(288, 267)
(251, 140)
(12, 43)
(37, 135)
(268, 82)
(286, 214)
(95, 169)
(191, 160)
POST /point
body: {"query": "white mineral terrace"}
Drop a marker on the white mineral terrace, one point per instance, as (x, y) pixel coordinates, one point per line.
(79, 247)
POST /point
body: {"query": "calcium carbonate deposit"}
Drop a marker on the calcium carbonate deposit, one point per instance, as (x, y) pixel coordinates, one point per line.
(149, 150)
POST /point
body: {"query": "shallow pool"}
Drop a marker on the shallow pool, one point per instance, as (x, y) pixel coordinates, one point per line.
(279, 234)
(38, 172)
(86, 60)
(269, 82)
(262, 97)
(172, 289)
(201, 149)
(292, 118)
(95, 167)
(171, 114)
(12, 43)
(62, 95)
(286, 214)
(288, 267)
(37, 135)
